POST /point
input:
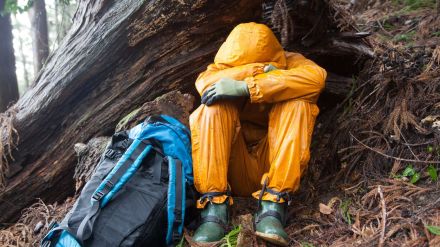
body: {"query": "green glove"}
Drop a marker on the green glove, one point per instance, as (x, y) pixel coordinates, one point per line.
(269, 68)
(225, 89)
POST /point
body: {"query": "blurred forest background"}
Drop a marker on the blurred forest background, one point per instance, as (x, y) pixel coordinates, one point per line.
(37, 29)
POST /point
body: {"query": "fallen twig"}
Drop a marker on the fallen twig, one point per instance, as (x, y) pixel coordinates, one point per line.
(393, 157)
(384, 217)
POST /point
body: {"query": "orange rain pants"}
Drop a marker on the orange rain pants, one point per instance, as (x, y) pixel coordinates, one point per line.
(243, 142)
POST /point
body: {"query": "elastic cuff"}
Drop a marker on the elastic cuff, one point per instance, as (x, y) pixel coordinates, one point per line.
(259, 70)
(268, 197)
(253, 91)
(216, 199)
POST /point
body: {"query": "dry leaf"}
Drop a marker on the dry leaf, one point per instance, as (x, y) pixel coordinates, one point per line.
(324, 209)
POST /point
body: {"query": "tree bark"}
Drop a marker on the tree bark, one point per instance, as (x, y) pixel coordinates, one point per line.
(40, 35)
(8, 78)
(117, 56)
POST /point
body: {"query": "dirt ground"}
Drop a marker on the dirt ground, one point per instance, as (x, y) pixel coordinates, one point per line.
(372, 180)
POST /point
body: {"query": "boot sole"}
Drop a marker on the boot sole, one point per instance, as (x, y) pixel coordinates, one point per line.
(272, 238)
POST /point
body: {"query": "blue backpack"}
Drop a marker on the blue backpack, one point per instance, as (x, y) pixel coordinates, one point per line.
(138, 193)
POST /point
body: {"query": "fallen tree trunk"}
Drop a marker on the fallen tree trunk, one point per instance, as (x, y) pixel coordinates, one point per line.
(117, 55)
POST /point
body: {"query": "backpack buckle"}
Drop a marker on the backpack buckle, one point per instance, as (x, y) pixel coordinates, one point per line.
(110, 153)
(98, 195)
(52, 225)
(176, 237)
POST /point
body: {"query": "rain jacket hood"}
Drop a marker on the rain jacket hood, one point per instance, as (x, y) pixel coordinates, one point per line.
(250, 43)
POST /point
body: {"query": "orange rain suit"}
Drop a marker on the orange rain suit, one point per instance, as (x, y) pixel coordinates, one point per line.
(242, 142)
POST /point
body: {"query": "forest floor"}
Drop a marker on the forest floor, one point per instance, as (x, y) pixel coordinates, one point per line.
(384, 190)
(373, 177)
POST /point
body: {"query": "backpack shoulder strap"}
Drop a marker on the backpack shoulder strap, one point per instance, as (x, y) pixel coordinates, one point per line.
(176, 201)
(122, 172)
(118, 177)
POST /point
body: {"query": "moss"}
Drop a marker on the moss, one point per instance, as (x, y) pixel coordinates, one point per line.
(410, 5)
(405, 37)
(126, 119)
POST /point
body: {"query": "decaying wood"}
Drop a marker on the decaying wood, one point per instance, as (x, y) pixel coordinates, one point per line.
(117, 56)
(338, 85)
(172, 104)
(342, 48)
(88, 157)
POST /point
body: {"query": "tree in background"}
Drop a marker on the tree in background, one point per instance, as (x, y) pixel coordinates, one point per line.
(40, 37)
(8, 79)
(59, 18)
(21, 58)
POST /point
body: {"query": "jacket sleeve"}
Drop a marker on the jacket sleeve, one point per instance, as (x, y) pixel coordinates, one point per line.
(214, 73)
(303, 80)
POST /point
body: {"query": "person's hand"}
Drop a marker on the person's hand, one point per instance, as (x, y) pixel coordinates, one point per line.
(269, 68)
(225, 89)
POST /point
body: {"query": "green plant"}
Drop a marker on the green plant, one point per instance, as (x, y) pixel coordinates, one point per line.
(432, 171)
(415, 4)
(415, 178)
(345, 211)
(181, 242)
(388, 26)
(305, 244)
(429, 149)
(411, 172)
(405, 37)
(12, 6)
(433, 229)
(231, 237)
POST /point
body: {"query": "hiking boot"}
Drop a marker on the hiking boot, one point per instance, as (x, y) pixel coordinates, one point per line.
(269, 223)
(213, 224)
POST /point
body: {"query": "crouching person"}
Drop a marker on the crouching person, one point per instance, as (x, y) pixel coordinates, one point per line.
(252, 133)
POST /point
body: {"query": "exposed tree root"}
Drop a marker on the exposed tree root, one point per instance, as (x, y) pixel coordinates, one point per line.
(8, 140)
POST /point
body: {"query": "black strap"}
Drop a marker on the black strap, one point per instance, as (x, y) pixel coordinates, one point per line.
(112, 154)
(98, 195)
(85, 229)
(210, 195)
(214, 219)
(179, 205)
(157, 167)
(268, 213)
(285, 195)
(210, 218)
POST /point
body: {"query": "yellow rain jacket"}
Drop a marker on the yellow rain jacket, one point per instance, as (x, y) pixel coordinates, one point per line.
(267, 138)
